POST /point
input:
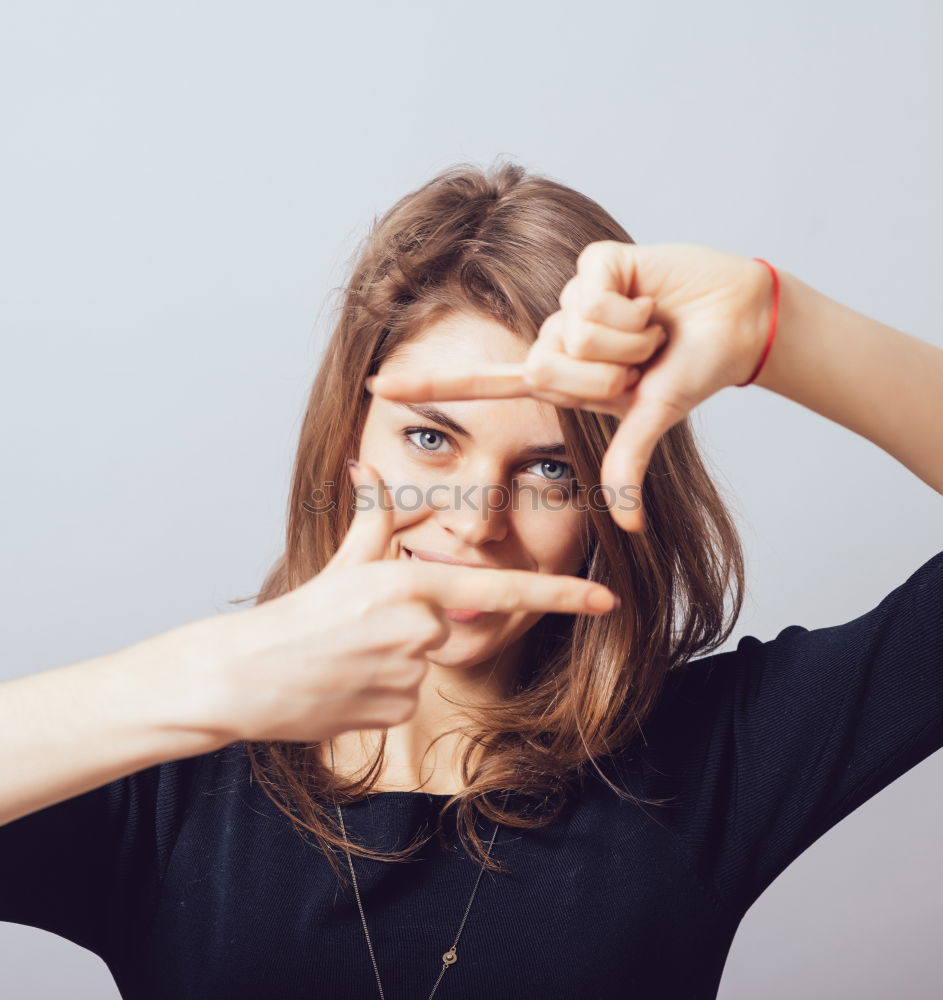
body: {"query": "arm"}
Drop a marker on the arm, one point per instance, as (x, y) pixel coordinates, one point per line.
(868, 377)
(707, 331)
(69, 730)
(328, 657)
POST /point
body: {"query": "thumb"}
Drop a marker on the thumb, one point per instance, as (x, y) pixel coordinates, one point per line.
(629, 453)
(370, 531)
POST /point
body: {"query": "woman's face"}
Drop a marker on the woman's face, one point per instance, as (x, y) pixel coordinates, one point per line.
(488, 482)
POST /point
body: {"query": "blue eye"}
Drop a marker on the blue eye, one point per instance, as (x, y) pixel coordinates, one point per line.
(565, 470)
(426, 433)
(431, 440)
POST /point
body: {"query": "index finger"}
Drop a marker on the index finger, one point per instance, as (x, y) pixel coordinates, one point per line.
(495, 381)
(506, 590)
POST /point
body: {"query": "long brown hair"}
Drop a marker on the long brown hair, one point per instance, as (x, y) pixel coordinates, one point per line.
(501, 243)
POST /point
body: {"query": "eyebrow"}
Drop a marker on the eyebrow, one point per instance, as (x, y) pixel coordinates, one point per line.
(433, 413)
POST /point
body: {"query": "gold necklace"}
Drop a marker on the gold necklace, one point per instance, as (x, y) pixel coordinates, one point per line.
(451, 956)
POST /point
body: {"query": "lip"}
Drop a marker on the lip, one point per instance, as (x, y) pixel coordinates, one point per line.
(443, 558)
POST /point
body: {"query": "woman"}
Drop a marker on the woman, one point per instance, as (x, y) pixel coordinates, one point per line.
(504, 781)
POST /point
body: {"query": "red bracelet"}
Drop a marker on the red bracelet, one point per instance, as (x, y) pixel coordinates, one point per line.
(772, 323)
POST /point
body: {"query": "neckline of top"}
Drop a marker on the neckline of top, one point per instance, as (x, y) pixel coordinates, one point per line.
(408, 794)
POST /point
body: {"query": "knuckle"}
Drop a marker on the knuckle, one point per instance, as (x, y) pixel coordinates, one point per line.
(400, 674)
(386, 713)
(427, 629)
(596, 250)
(644, 309)
(594, 307)
(614, 381)
(417, 672)
(579, 342)
(403, 706)
(555, 590)
(538, 371)
(417, 628)
(677, 407)
(549, 327)
(368, 601)
(511, 596)
(568, 290)
(402, 582)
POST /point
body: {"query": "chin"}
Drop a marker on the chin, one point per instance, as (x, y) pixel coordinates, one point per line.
(454, 655)
(464, 649)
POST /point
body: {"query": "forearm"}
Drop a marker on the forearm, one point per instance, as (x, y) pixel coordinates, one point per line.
(69, 730)
(869, 377)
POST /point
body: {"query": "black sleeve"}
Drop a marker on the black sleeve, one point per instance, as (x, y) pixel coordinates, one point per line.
(88, 868)
(774, 743)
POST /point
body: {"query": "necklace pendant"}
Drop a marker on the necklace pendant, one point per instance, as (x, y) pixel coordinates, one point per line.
(450, 958)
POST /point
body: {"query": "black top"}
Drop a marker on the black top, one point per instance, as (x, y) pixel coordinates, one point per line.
(188, 881)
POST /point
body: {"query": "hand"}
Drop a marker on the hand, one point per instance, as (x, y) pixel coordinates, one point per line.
(346, 650)
(645, 333)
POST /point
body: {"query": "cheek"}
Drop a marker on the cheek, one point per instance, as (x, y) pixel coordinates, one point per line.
(552, 538)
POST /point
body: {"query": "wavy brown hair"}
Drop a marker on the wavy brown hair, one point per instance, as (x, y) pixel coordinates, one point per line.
(501, 243)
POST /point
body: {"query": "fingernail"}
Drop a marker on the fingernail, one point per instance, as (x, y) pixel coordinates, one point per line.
(602, 600)
(369, 383)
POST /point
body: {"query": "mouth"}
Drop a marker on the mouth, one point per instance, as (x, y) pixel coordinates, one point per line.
(453, 614)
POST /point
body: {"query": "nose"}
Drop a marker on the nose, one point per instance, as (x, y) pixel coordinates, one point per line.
(476, 513)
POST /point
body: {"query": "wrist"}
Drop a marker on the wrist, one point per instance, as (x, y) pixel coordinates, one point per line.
(794, 301)
(178, 673)
(759, 318)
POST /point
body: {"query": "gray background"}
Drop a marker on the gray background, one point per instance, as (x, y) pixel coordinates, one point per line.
(181, 186)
